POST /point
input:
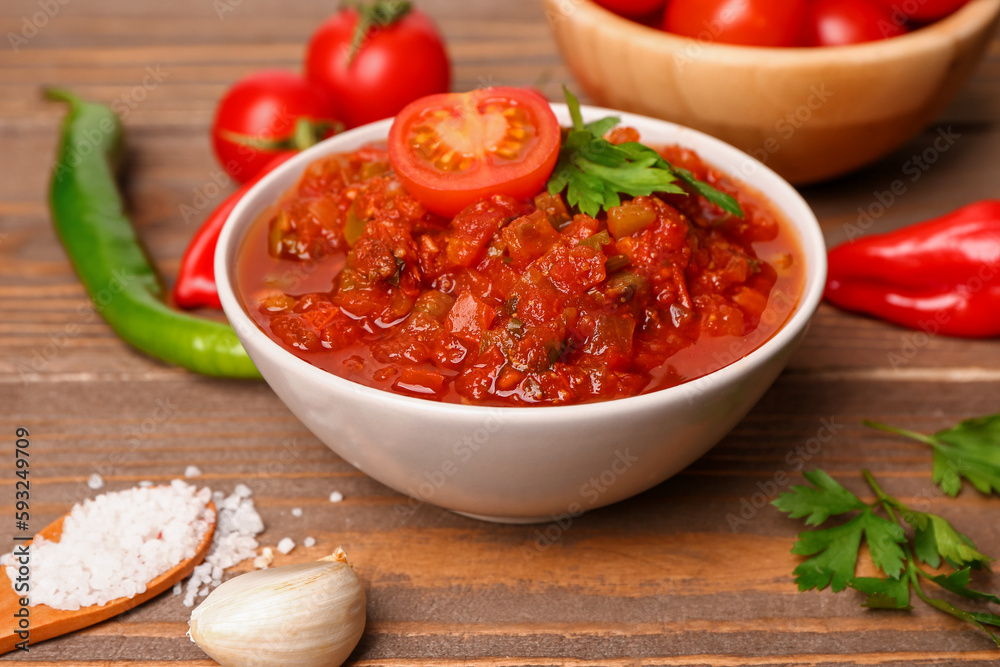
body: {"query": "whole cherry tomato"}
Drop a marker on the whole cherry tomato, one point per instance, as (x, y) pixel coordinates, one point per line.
(632, 8)
(841, 22)
(453, 149)
(923, 11)
(746, 22)
(266, 113)
(377, 59)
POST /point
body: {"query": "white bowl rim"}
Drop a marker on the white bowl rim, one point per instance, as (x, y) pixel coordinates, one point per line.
(808, 231)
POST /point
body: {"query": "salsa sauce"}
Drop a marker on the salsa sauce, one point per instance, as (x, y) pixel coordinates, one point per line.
(515, 302)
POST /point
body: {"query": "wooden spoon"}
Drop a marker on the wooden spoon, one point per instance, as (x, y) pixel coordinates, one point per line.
(46, 622)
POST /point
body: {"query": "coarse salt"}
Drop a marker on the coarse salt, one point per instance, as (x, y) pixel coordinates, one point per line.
(285, 545)
(192, 471)
(95, 481)
(296, 511)
(336, 497)
(114, 545)
(234, 541)
(309, 542)
(264, 560)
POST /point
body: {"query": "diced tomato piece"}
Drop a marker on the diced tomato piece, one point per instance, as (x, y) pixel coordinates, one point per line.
(419, 381)
(435, 303)
(573, 270)
(751, 301)
(373, 260)
(608, 339)
(320, 317)
(469, 318)
(448, 352)
(509, 379)
(536, 299)
(410, 343)
(475, 225)
(292, 331)
(528, 238)
(340, 332)
(501, 276)
(718, 316)
(476, 381)
(554, 208)
(431, 254)
(581, 227)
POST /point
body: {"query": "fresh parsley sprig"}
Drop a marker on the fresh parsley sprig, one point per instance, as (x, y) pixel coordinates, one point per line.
(970, 450)
(595, 172)
(833, 552)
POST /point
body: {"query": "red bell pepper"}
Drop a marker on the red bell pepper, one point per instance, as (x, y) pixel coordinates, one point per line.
(940, 276)
(195, 286)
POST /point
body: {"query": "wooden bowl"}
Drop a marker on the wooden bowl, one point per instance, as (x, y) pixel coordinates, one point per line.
(808, 113)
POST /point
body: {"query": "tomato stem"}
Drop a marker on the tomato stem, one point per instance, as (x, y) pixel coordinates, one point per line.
(373, 16)
(307, 132)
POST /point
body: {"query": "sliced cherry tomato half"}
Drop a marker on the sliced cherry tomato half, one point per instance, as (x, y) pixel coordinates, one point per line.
(453, 149)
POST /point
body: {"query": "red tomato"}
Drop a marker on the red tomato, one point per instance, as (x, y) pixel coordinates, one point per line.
(454, 149)
(395, 64)
(746, 22)
(923, 11)
(632, 8)
(840, 22)
(265, 106)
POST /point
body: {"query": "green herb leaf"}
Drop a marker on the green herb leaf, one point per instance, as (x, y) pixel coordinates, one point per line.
(936, 538)
(970, 450)
(883, 593)
(726, 202)
(595, 173)
(818, 502)
(574, 109)
(602, 126)
(836, 551)
(958, 583)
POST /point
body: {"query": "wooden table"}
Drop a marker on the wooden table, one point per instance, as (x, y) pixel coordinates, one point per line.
(661, 579)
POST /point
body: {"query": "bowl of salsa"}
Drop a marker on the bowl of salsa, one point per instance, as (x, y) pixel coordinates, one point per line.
(504, 347)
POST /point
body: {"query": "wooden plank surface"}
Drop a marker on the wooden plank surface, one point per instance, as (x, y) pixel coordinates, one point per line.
(675, 576)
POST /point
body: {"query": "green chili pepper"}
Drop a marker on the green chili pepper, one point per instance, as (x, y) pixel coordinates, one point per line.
(89, 217)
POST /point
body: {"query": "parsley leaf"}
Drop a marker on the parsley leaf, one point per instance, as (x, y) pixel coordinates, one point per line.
(970, 450)
(595, 172)
(883, 593)
(826, 499)
(838, 551)
(936, 538)
(834, 551)
(958, 583)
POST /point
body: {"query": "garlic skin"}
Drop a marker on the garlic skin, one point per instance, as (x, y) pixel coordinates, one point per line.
(303, 615)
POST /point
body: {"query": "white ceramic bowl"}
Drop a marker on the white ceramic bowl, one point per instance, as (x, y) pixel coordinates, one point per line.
(528, 464)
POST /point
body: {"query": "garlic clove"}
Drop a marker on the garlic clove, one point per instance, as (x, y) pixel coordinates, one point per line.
(302, 615)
